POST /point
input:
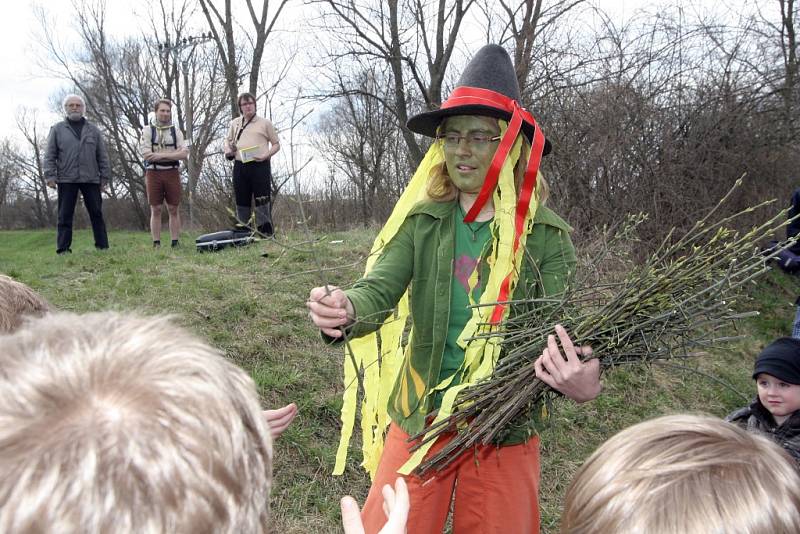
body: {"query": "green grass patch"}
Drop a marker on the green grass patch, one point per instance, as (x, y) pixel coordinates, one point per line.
(253, 309)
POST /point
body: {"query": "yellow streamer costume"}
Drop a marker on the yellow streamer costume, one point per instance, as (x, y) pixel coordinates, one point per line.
(382, 367)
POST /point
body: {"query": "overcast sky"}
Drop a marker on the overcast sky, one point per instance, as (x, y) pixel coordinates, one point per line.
(23, 83)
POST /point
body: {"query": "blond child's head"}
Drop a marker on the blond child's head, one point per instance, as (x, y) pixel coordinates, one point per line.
(119, 423)
(684, 473)
(16, 302)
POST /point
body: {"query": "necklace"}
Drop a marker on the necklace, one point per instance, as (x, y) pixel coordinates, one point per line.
(478, 226)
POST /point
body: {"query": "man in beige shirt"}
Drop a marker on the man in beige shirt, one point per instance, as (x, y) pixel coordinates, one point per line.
(163, 148)
(251, 142)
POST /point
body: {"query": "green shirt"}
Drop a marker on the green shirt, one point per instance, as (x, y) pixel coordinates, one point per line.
(470, 240)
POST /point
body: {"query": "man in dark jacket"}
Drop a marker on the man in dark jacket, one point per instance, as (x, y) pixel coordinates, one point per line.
(76, 160)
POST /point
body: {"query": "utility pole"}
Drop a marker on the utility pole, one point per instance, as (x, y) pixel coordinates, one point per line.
(176, 50)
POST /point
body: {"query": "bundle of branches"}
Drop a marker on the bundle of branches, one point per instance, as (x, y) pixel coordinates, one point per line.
(678, 302)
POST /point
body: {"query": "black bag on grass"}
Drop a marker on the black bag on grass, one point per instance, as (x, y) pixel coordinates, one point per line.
(224, 239)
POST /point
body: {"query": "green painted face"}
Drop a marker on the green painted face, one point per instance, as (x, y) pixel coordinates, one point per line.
(468, 159)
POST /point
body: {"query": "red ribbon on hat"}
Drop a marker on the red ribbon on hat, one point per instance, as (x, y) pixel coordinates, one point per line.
(471, 96)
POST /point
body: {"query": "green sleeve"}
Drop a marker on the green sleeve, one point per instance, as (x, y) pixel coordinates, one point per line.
(558, 261)
(550, 256)
(375, 295)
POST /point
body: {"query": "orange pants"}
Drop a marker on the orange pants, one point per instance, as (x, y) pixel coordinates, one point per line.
(496, 489)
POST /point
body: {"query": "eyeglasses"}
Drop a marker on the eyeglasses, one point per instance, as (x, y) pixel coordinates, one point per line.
(474, 139)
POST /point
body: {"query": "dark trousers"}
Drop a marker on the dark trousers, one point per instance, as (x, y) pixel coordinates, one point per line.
(254, 181)
(67, 197)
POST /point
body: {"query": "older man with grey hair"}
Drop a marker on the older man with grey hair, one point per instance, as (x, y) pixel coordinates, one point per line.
(76, 160)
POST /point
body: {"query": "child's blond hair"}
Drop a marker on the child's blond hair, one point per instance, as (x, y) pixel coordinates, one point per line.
(684, 473)
(17, 301)
(118, 423)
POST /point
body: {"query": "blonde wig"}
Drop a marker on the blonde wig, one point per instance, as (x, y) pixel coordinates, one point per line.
(125, 424)
(16, 301)
(684, 473)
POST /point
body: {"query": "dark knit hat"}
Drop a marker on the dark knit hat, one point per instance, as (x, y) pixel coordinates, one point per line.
(781, 359)
(491, 69)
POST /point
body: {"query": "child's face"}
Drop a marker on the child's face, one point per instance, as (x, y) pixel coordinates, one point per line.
(780, 398)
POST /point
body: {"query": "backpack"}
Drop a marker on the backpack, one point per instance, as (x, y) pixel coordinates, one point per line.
(163, 164)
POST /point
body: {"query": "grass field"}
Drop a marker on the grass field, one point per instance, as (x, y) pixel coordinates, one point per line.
(252, 308)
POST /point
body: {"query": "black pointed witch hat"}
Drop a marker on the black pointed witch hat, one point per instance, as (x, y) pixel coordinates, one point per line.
(488, 86)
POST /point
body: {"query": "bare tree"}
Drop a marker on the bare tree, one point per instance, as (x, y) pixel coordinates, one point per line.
(671, 113)
(414, 38)
(7, 175)
(233, 58)
(522, 25)
(30, 168)
(788, 47)
(356, 142)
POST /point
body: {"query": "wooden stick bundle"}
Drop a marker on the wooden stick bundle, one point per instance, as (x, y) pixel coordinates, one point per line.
(679, 302)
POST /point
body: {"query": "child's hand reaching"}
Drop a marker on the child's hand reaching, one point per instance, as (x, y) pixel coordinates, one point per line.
(395, 505)
(279, 420)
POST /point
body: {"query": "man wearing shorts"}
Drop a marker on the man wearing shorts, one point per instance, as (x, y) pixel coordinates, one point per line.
(163, 148)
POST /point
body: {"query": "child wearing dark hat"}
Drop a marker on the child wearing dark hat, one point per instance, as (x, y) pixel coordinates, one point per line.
(774, 412)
